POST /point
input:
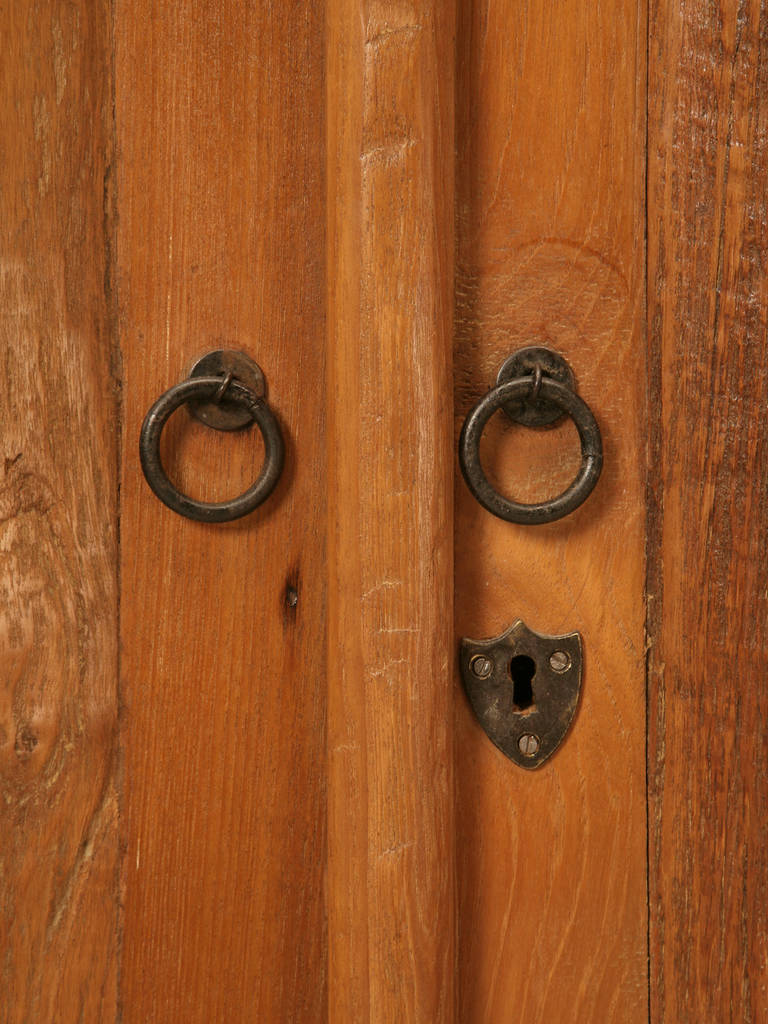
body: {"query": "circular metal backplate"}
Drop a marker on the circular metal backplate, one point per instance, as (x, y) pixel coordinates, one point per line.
(227, 415)
(538, 412)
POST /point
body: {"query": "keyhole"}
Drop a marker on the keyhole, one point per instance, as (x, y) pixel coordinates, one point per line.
(522, 669)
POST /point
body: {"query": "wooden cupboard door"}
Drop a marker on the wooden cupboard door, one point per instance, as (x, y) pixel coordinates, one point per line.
(240, 779)
(223, 681)
(550, 127)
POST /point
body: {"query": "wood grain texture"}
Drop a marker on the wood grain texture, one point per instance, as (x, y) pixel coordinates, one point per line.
(708, 583)
(390, 247)
(58, 539)
(550, 218)
(221, 180)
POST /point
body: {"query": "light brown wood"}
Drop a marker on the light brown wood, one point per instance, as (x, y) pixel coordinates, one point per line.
(390, 869)
(220, 136)
(708, 585)
(58, 540)
(302, 786)
(549, 195)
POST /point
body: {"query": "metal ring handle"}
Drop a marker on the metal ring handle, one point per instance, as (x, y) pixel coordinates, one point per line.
(202, 511)
(591, 452)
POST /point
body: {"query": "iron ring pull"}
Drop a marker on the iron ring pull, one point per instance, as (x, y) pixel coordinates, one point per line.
(517, 390)
(201, 388)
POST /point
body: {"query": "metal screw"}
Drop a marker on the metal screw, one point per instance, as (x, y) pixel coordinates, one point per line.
(529, 744)
(481, 666)
(559, 661)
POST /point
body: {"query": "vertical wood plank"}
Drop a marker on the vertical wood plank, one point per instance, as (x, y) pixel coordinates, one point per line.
(390, 121)
(550, 213)
(220, 131)
(708, 584)
(58, 498)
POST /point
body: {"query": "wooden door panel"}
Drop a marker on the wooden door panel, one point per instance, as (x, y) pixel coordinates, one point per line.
(708, 584)
(220, 134)
(550, 216)
(58, 518)
(390, 260)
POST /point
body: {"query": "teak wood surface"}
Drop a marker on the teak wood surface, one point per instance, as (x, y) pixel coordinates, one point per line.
(708, 511)
(223, 683)
(59, 906)
(550, 251)
(239, 779)
(391, 872)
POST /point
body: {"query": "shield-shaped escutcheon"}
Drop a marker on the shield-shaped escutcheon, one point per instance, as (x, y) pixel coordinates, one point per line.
(524, 688)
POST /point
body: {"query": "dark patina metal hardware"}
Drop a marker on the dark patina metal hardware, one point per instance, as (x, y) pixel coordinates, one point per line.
(524, 689)
(535, 387)
(226, 391)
